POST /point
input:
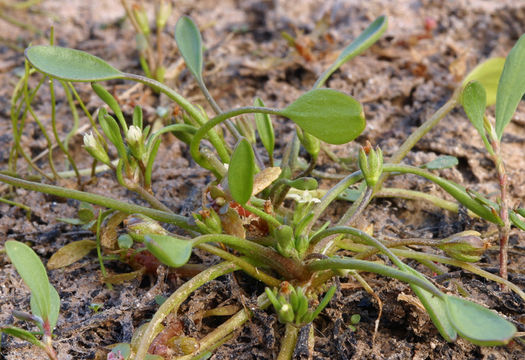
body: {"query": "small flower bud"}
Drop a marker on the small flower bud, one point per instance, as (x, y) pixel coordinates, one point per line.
(142, 19)
(163, 13)
(286, 314)
(464, 246)
(134, 140)
(371, 164)
(95, 148)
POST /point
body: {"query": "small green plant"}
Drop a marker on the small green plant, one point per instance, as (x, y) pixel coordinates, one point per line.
(281, 243)
(45, 302)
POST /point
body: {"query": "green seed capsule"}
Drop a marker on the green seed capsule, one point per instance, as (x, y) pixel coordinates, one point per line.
(464, 246)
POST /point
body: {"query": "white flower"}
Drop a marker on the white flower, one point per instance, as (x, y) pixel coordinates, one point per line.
(134, 135)
(303, 198)
(95, 148)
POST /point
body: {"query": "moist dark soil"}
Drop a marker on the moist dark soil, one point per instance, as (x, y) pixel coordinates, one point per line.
(402, 80)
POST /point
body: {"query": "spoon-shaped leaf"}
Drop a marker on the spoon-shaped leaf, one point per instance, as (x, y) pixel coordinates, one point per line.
(327, 114)
(436, 308)
(511, 86)
(360, 44)
(478, 324)
(69, 64)
(33, 272)
(168, 249)
(189, 41)
(240, 172)
(488, 74)
(473, 99)
(264, 128)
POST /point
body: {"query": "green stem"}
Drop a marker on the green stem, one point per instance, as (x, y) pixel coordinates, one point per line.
(124, 207)
(418, 195)
(61, 145)
(17, 204)
(287, 267)
(176, 299)
(189, 108)
(360, 234)
(242, 264)
(353, 264)
(358, 206)
(332, 194)
(194, 146)
(216, 336)
(457, 191)
(464, 265)
(421, 131)
(216, 108)
(289, 342)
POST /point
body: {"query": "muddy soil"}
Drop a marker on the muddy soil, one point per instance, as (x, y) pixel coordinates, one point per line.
(401, 81)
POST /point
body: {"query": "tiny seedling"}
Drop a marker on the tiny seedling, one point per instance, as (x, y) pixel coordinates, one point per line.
(266, 206)
(45, 302)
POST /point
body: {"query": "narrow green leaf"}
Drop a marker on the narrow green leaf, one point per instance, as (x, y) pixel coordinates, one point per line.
(473, 99)
(111, 129)
(55, 306)
(368, 37)
(33, 272)
(477, 324)
(69, 64)
(436, 308)
(189, 41)
(441, 162)
(264, 128)
(240, 172)
(488, 74)
(110, 100)
(327, 114)
(169, 250)
(511, 86)
(516, 221)
(21, 334)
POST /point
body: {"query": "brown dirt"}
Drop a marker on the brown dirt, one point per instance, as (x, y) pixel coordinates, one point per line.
(401, 81)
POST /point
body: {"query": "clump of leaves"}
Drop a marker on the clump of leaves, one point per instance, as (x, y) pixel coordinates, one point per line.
(281, 244)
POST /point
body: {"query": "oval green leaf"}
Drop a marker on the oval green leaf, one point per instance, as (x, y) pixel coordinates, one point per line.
(368, 37)
(436, 308)
(264, 128)
(240, 172)
(169, 250)
(488, 74)
(70, 64)
(441, 162)
(33, 272)
(327, 114)
(474, 100)
(70, 253)
(189, 41)
(511, 86)
(477, 324)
